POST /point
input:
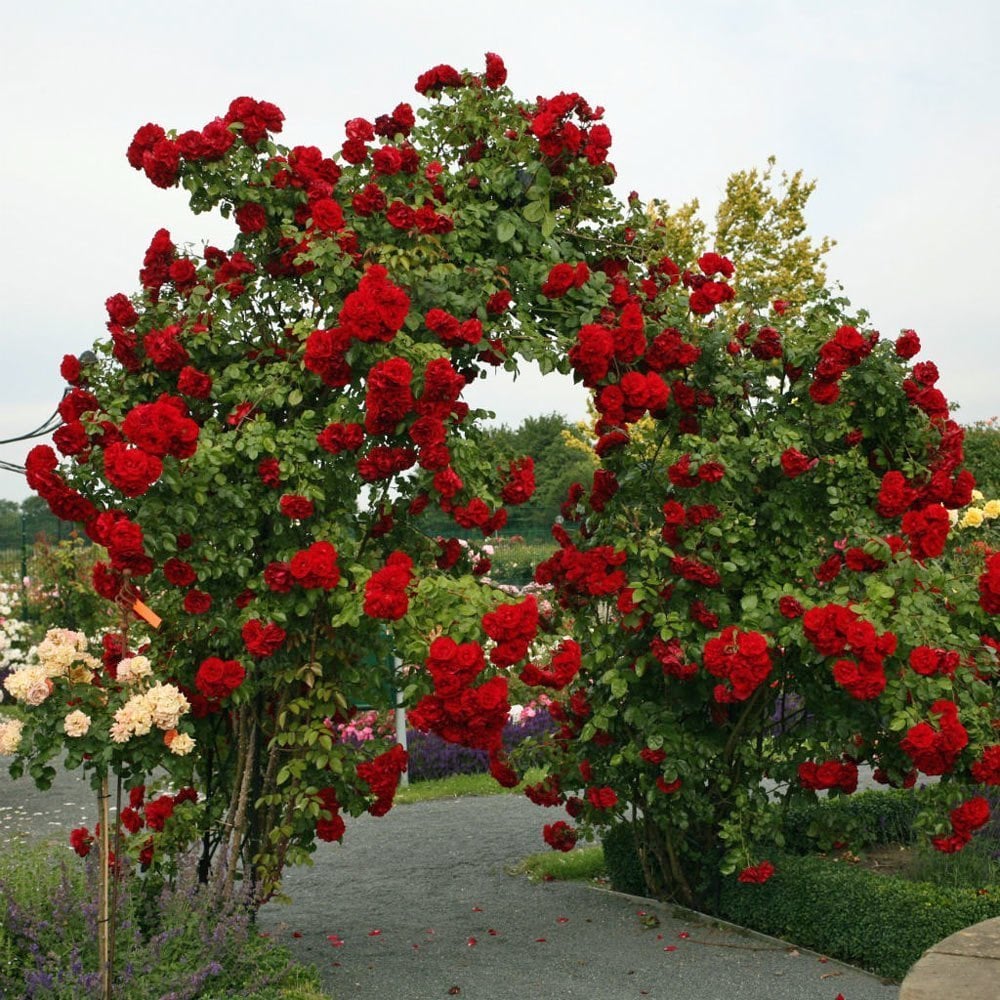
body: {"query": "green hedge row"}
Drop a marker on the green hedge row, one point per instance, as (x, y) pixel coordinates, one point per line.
(873, 817)
(880, 923)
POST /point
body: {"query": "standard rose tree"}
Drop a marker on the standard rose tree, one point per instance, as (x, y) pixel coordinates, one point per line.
(266, 423)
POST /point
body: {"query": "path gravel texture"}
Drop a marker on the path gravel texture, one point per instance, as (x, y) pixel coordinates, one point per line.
(419, 904)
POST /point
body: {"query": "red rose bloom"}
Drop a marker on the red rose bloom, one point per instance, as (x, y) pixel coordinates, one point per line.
(496, 72)
(197, 602)
(131, 470)
(794, 463)
(179, 573)
(316, 567)
(559, 836)
(297, 508)
(270, 472)
(262, 639)
(194, 383)
(907, 344)
(251, 217)
(217, 679)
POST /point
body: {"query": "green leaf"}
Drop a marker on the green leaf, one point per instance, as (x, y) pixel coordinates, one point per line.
(505, 230)
(534, 211)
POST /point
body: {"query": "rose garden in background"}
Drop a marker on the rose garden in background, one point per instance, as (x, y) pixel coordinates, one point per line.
(757, 592)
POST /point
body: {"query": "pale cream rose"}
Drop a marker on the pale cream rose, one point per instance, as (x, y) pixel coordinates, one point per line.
(179, 744)
(79, 673)
(977, 495)
(953, 517)
(10, 736)
(59, 649)
(991, 509)
(166, 705)
(133, 668)
(77, 723)
(120, 731)
(29, 684)
(972, 518)
(134, 718)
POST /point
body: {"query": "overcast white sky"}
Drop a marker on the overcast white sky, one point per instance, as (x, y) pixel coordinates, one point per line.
(892, 106)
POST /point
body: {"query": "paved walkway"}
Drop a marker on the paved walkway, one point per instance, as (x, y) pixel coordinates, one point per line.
(418, 905)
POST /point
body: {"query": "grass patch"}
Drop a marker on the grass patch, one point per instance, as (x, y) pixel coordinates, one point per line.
(583, 864)
(458, 786)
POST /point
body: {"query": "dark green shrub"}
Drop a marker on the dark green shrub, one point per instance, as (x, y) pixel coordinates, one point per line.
(882, 924)
(621, 860)
(874, 817)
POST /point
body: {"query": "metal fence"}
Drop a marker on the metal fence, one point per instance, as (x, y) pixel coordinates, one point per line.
(20, 531)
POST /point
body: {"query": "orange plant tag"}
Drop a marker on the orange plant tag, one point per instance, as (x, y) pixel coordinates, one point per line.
(147, 614)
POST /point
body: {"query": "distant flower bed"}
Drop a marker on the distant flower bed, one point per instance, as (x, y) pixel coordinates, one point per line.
(432, 757)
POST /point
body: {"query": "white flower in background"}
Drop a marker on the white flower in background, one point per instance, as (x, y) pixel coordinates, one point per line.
(133, 668)
(514, 715)
(77, 723)
(10, 736)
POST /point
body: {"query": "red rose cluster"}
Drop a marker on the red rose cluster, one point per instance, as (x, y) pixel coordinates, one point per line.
(519, 481)
(560, 836)
(934, 751)
(928, 661)
(511, 627)
(987, 770)
(382, 777)
(706, 294)
(966, 818)
(927, 530)
(459, 713)
(670, 655)
(217, 679)
(560, 139)
(312, 568)
(742, 659)
(386, 589)
(756, 874)
(563, 277)
(835, 629)
(563, 667)
(331, 829)
(845, 349)
(578, 573)
(989, 586)
(830, 774)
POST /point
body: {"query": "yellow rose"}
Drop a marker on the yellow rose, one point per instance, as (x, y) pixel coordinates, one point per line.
(972, 519)
(991, 509)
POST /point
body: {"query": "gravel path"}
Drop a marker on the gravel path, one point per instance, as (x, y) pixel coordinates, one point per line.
(418, 905)
(424, 907)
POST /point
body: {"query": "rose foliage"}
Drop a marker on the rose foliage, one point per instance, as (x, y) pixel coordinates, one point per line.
(757, 578)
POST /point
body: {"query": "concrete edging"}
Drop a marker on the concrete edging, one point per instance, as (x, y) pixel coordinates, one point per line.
(965, 965)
